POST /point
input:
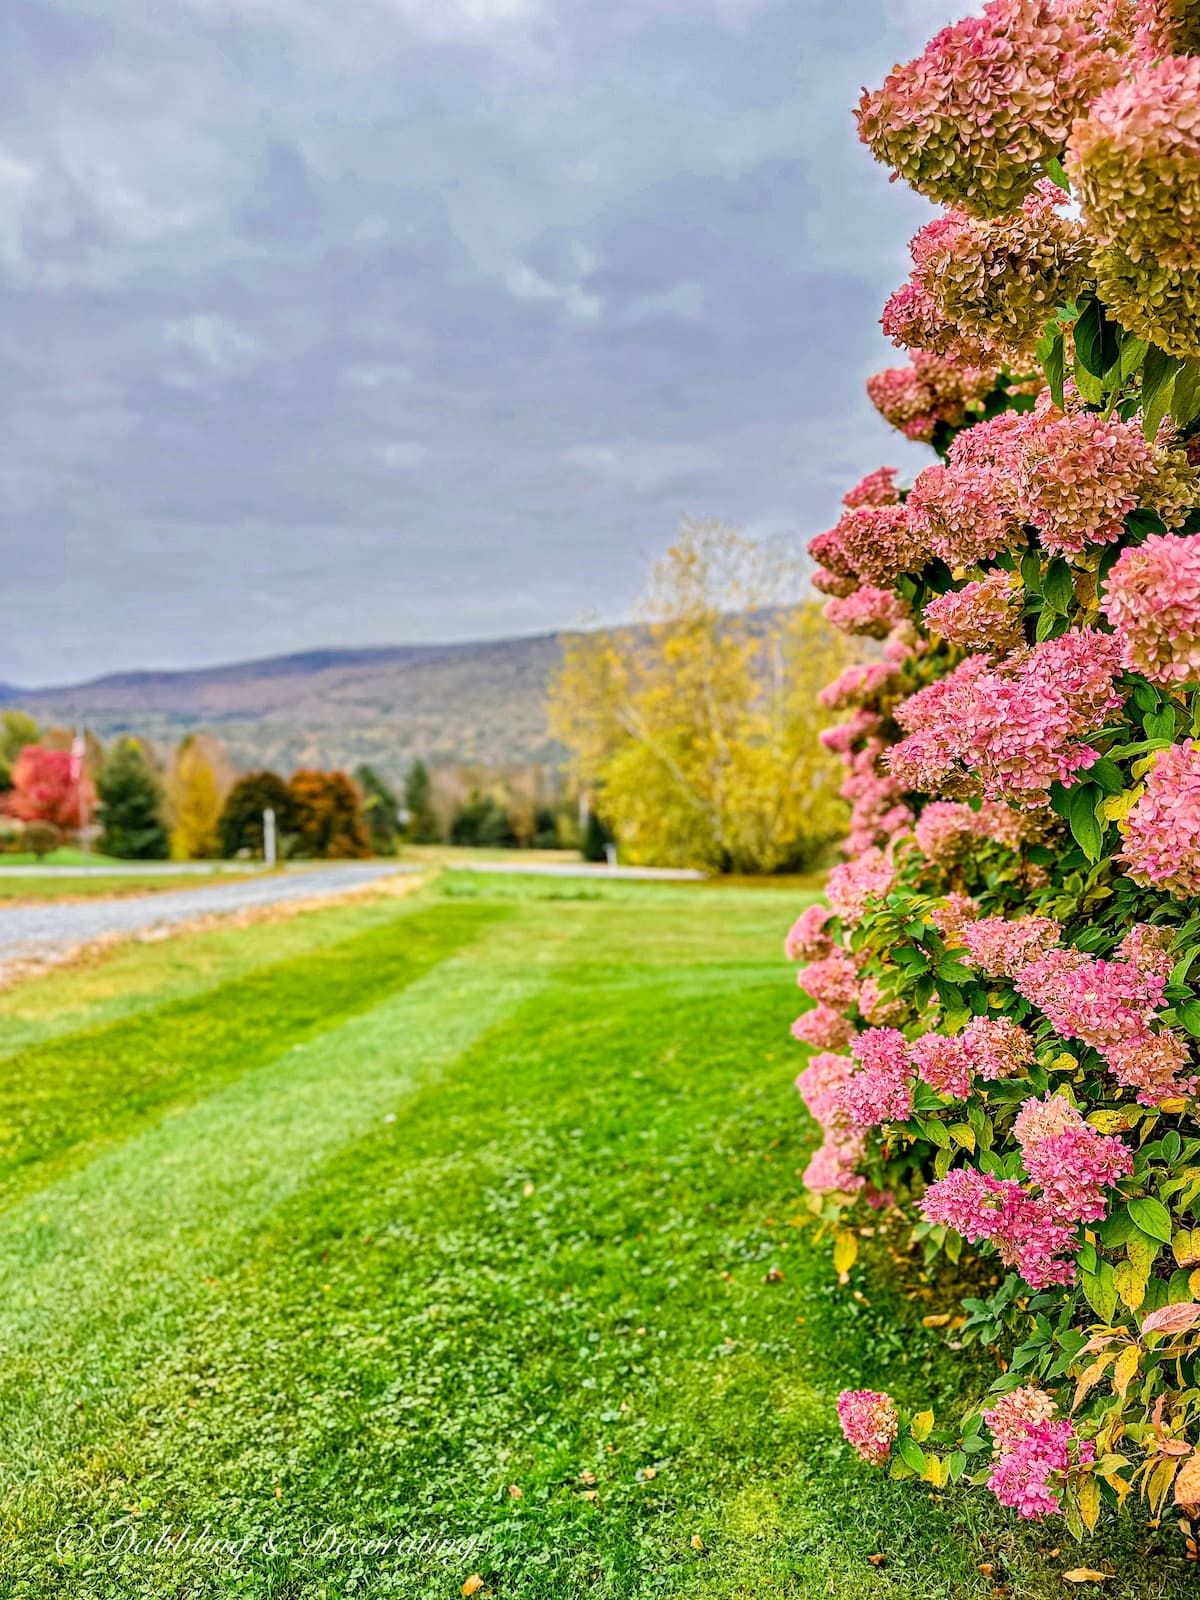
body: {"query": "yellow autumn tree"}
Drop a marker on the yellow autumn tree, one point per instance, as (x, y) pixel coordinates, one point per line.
(697, 725)
(196, 786)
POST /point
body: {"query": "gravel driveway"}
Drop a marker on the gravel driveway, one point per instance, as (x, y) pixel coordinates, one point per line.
(38, 932)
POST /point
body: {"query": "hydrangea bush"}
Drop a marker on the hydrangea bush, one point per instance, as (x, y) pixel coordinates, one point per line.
(1005, 984)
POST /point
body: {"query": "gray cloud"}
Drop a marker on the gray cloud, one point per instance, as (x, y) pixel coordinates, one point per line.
(334, 321)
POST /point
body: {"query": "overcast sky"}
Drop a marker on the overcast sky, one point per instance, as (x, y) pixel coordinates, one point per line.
(335, 322)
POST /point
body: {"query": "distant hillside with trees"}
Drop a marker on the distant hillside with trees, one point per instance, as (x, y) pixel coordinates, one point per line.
(474, 704)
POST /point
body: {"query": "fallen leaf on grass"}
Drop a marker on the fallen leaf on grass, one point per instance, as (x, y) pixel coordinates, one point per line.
(774, 1276)
(473, 1584)
(697, 1542)
(937, 1320)
(1085, 1575)
(877, 1560)
(985, 1569)
(648, 1473)
(590, 1495)
(587, 1477)
(515, 1491)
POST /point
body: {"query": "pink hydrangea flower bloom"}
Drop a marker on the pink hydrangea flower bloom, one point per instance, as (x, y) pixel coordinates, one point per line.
(826, 549)
(1038, 1120)
(820, 1086)
(1155, 1066)
(881, 542)
(860, 685)
(1148, 949)
(996, 1047)
(826, 582)
(1135, 164)
(943, 1063)
(1007, 826)
(1162, 839)
(932, 390)
(1029, 719)
(807, 939)
(930, 760)
(952, 916)
(964, 512)
(832, 1168)
(1025, 1230)
(1080, 476)
(1101, 1002)
(878, 488)
(832, 980)
(1001, 948)
(945, 831)
(869, 1423)
(1029, 1469)
(823, 1028)
(852, 885)
(982, 290)
(1152, 600)
(1017, 1411)
(842, 738)
(1015, 728)
(881, 1090)
(868, 612)
(1072, 1164)
(982, 617)
(974, 119)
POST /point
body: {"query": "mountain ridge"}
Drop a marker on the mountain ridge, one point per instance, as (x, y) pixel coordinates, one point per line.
(469, 701)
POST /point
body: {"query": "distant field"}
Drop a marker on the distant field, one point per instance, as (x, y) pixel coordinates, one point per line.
(67, 856)
(466, 1216)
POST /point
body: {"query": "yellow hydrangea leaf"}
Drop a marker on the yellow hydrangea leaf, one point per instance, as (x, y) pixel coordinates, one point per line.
(1131, 1283)
(1117, 806)
(1125, 1369)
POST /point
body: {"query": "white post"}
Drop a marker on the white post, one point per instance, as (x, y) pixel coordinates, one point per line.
(610, 854)
(269, 836)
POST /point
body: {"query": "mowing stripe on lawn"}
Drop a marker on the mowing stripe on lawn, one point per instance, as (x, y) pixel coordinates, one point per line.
(62, 1100)
(139, 975)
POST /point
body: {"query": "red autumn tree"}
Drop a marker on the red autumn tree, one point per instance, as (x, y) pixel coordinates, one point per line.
(328, 814)
(46, 788)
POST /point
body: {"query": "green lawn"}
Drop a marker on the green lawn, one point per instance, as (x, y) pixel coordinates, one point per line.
(366, 1219)
(67, 855)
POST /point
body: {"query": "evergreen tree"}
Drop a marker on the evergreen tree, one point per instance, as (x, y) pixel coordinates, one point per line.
(132, 800)
(482, 820)
(379, 808)
(241, 822)
(596, 839)
(418, 801)
(545, 830)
